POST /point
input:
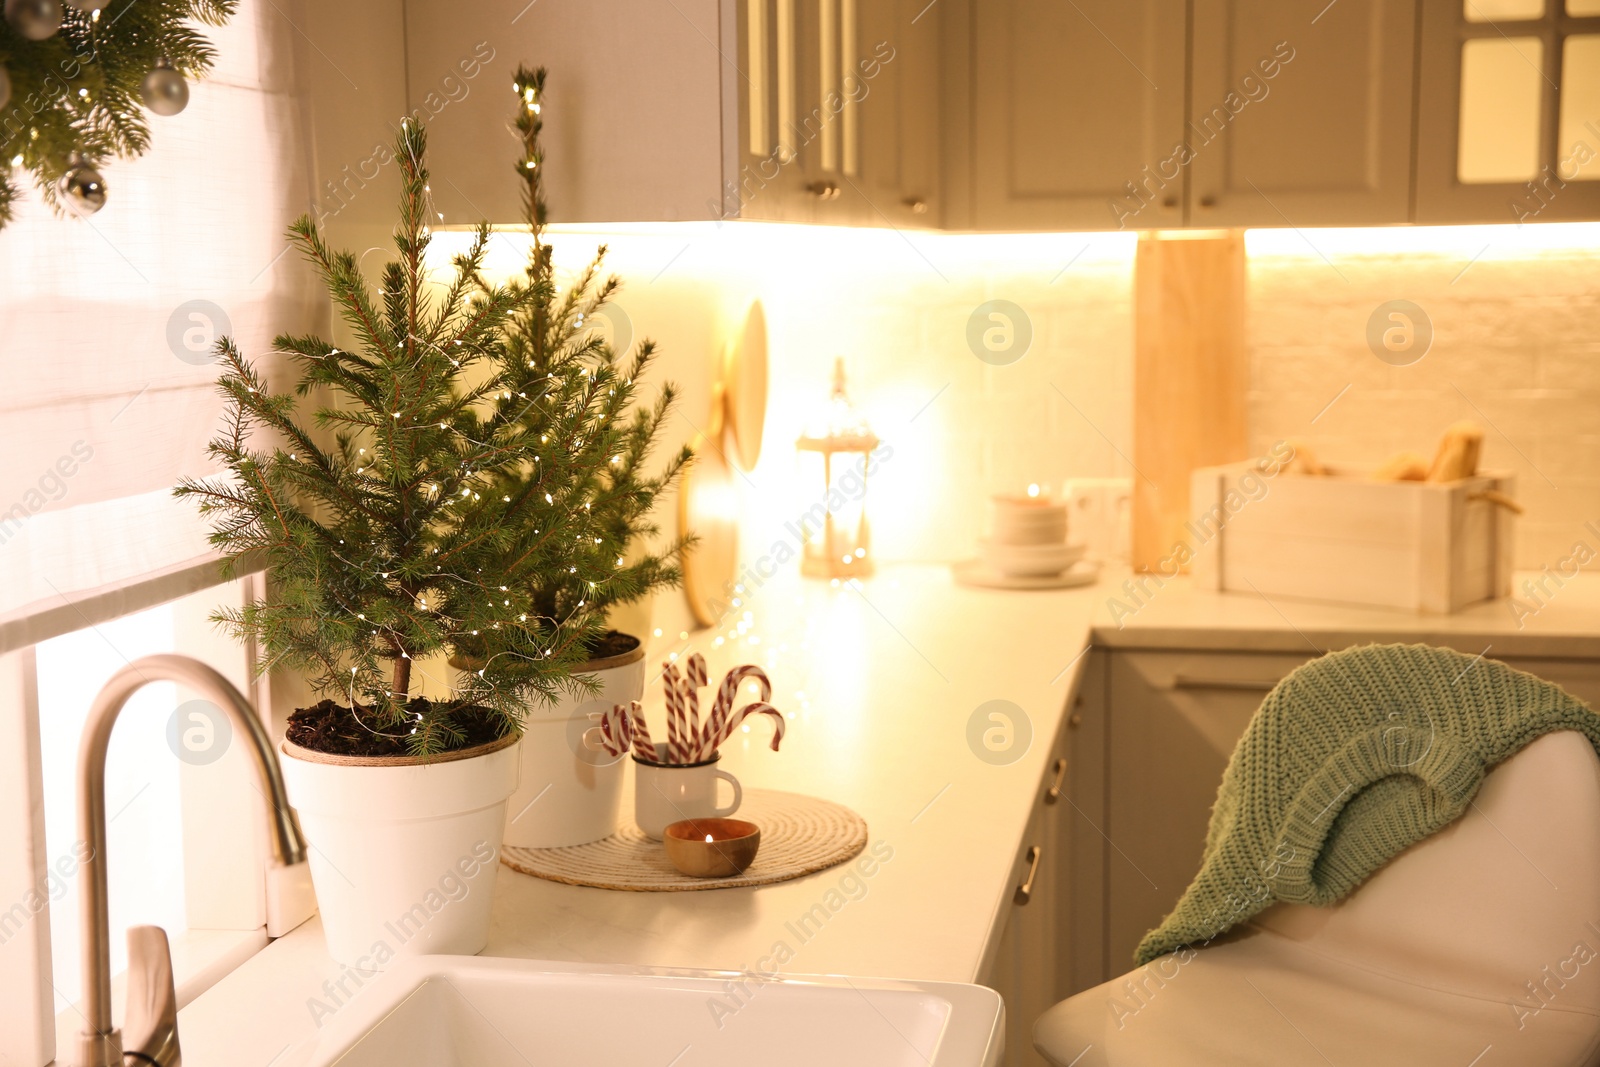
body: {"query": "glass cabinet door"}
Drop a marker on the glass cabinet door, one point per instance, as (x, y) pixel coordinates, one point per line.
(1509, 111)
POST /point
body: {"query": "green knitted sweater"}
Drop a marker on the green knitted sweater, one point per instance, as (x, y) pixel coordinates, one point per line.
(1349, 760)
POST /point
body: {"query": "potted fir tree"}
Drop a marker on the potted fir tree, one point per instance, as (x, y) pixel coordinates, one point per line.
(403, 517)
(583, 411)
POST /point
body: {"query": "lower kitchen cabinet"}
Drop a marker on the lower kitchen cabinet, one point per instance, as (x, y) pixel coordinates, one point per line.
(1119, 823)
(1161, 725)
(1033, 965)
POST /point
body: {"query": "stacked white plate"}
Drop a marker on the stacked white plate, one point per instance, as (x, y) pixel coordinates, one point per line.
(1027, 548)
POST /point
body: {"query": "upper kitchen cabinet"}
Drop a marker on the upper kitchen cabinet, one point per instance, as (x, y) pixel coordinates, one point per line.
(794, 110)
(839, 112)
(1073, 110)
(1509, 116)
(1301, 113)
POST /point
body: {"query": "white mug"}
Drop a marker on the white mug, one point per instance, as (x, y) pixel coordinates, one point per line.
(666, 793)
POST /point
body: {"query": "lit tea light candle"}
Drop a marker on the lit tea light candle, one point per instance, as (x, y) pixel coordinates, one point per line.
(711, 848)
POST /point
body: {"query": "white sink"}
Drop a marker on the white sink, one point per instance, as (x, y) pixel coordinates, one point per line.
(467, 1011)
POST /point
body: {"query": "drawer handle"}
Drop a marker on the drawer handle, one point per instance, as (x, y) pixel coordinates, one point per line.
(1025, 890)
(1053, 794)
(1249, 685)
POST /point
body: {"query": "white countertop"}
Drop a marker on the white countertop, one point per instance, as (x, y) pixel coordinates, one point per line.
(890, 675)
(882, 681)
(1560, 621)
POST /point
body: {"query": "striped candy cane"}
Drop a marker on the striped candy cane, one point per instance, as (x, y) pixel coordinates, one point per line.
(614, 732)
(693, 680)
(677, 722)
(756, 708)
(643, 747)
(716, 730)
(618, 729)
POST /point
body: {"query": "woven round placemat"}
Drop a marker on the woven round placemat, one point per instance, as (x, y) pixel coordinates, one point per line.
(799, 835)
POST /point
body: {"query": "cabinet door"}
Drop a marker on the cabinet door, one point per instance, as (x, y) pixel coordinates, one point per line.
(889, 140)
(1301, 117)
(1174, 720)
(1028, 966)
(1077, 109)
(1082, 837)
(1508, 120)
(772, 124)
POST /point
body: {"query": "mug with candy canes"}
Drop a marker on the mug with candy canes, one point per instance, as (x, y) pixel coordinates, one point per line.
(677, 778)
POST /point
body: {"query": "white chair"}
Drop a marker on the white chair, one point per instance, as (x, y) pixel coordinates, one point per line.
(1478, 947)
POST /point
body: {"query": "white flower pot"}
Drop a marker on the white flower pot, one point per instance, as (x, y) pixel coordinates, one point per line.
(403, 854)
(569, 793)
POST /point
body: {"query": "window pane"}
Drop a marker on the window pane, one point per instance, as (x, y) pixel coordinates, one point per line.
(1578, 154)
(1581, 8)
(1500, 80)
(145, 828)
(1501, 10)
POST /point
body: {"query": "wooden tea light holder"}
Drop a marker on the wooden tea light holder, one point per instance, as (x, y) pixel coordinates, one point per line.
(712, 848)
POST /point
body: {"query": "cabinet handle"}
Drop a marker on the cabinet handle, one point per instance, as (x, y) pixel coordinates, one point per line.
(1249, 685)
(1053, 794)
(917, 205)
(1208, 202)
(824, 190)
(1024, 891)
(1170, 202)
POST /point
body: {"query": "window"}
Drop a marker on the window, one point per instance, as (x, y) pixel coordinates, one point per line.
(186, 840)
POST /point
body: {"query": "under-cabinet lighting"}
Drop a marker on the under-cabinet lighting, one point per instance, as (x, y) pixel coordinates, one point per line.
(1489, 241)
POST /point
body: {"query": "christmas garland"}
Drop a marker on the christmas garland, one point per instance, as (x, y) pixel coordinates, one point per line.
(75, 82)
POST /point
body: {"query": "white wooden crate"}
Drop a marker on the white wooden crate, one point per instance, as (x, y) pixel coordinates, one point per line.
(1347, 539)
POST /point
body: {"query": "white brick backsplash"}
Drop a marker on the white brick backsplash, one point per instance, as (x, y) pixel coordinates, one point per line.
(1516, 333)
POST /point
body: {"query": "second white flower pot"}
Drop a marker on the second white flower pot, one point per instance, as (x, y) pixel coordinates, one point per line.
(569, 793)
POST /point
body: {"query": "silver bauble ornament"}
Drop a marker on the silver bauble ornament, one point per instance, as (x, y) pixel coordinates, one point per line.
(5, 87)
(82, 189)
(163, 90)
(37, 20)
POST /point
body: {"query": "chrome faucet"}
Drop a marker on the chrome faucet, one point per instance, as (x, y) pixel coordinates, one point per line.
(152, 1022)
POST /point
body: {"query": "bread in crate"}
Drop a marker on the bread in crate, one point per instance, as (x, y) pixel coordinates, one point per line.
(1350, 538)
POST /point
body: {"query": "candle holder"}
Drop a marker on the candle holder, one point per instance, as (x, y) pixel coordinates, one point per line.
(838, 541)
(712, 848)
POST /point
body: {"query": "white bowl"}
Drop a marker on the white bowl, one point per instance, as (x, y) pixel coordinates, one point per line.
(1029, 560)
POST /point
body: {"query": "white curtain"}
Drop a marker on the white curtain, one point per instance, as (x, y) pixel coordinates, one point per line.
(106, 388)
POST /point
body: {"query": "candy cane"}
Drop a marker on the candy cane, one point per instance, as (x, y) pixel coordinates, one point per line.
(643, 747)
(615, 732)
(677, 744)
(618, 729)
(756, 708)
(717, 730)
(690, 685)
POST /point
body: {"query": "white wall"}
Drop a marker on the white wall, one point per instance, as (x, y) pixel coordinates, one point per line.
(896, 307)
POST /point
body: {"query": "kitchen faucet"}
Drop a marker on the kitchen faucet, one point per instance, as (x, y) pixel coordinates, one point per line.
(152, 1015)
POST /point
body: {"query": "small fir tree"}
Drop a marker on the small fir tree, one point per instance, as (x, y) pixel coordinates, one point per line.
(434, 521)
(581, 407)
